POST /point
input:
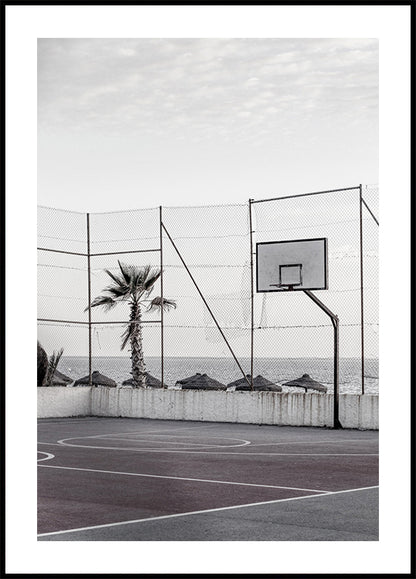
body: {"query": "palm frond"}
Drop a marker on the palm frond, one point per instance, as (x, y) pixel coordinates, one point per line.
(140, 276)
(127, 272)
(118, 292)
(159, 303)
(118, 280)
(125, 336)
(106, 302)
(151, 279)
(149, 292)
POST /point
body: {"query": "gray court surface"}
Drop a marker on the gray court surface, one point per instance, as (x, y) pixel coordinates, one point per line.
(116, 479)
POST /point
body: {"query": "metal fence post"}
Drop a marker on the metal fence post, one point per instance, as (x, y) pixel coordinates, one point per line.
(250, 201)
(362, 289)
(162, 361)
(89, 302)
(335, 323)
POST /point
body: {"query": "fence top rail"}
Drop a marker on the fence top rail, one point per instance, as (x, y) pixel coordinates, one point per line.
(61, 209)
(132, 210)
(122, 252)
(96, 323)
(356, 188)
(207, 206)
(62, 251)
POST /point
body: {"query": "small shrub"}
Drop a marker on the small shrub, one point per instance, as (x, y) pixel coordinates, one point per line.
(42, 365)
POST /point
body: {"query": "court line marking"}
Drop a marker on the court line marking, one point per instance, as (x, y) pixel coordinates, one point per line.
(116, 437)
(140, 435)
(313, 442)
(63, 442)
(158, 431)
(162, 432)
(253, 444)
(208, 426)
(42, 421)
(117, 433)
(201, 426)
(166, 433)
(320, 491)
(177, 515)
(192, 444)
(47, 457)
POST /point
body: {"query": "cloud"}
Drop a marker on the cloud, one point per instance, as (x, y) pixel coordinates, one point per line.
(207, 85)
(127, 51)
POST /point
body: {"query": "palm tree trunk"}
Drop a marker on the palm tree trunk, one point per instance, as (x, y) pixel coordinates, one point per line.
(138, 367)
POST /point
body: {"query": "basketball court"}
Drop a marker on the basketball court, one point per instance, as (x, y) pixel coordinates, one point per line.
(117, 479)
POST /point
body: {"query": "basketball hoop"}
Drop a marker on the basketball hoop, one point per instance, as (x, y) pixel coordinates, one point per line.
(285, 286)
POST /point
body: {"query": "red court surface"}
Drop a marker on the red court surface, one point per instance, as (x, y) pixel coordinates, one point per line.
(121, 479)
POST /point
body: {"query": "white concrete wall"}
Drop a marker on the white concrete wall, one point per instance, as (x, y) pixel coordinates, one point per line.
(56, 401)
(356, 411)
(293, 409)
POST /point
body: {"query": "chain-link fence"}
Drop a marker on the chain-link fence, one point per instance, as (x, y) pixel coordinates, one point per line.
(220, 326)
(288, 325)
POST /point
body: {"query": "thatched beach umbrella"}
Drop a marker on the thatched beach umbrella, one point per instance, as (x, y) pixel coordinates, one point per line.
(306, 382)
(200, 382)
(240, 382)
(60, 379)
(151, 382)
(186, 380)
(97, 379)
(259, 384)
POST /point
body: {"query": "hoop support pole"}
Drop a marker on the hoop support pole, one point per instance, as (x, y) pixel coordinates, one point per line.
(335, 323)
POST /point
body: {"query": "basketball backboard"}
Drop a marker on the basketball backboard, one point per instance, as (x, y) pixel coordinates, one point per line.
(298, 264)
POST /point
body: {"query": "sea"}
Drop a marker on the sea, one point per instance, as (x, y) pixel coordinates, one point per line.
(225, 370)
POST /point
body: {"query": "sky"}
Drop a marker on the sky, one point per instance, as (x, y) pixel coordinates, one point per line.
(130, 123)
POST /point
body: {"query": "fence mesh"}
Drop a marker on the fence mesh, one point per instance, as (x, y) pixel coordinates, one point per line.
(305, 332)
(207, 272)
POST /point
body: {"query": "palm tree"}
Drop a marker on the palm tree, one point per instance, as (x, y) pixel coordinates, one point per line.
(134, 285)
